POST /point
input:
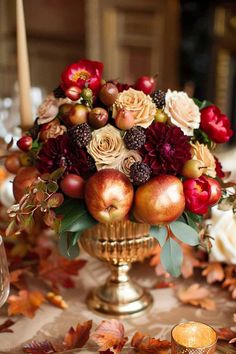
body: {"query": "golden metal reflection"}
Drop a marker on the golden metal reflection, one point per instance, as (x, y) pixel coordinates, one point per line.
(119, 244)
(193, 338)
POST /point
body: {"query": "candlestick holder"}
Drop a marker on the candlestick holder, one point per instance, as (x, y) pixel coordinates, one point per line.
(119, 244)
(193, 338)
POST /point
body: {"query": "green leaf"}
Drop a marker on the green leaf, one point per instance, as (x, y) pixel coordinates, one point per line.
(202, 104)
(185, 233)
(75, 216)
(68, 244)
(172, 257)
(160, 233)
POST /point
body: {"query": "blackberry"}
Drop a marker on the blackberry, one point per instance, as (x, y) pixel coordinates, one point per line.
(80, 135)
(140, 173)
(59, 92)
(135, 138)
(158, 97)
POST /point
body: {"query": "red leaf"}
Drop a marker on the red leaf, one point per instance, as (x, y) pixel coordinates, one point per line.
(25, 303)
(4, 327)
(147, 345)
(45, 347)
(110, 335)
(77, 338)
(58, 270)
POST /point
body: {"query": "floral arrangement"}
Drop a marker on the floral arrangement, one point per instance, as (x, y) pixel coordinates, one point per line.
(104, 151)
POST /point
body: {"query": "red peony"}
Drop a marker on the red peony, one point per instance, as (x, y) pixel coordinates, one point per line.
(58, 152)
(166, 149)
(81, 74)
(197, 194)
(215, 124)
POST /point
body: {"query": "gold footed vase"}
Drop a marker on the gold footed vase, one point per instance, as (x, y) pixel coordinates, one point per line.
(119, 244)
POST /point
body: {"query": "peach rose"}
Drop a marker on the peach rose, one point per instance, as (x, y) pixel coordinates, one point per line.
(139, 104)
(128, 158)
(106, 147)
(203, 154)
(182, 111)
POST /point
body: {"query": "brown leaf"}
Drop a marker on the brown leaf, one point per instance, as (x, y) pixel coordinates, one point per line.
(189, 261)
(196, 296)
(44, 347)
(227, 334)
(56, 300)
(25, 303)
(58, 270)
(110, 335)
(143, 344)
(77, 338)
(4, 327)
(214, 272)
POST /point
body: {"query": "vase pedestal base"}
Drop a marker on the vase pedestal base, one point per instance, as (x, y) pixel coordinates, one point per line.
(119, 296)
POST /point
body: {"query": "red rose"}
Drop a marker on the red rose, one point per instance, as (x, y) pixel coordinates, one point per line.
(82, 73)
(197, 194)
(215, 124)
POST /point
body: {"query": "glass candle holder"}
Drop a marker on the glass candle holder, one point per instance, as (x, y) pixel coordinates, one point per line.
(4, 274)
(193, 338)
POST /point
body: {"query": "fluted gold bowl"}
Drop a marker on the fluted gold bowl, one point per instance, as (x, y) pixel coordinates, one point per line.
(119, 244)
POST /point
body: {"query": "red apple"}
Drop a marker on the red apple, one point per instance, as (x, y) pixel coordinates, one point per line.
(109, 195)
(147, 84)
(73, 186)
(216, 191)
(24, 178)
(161, 200)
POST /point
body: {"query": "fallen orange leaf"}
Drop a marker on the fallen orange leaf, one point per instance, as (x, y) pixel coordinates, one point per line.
(214, 272)
(25, 303)
(196, 296)
(110, 334)
(143, 344)
(77, 338)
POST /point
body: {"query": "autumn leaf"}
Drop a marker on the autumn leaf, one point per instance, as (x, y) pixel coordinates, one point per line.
(25, 303)
(189, 261)
(4, 327)
(214, 272)
(196, 296)
(110, 335)
(58, 270)
(44, 347)
(226, 334)
(143, 344)
(56, 300)
(77, 338)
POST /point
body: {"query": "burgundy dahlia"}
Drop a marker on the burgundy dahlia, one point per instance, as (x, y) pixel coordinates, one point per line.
(56, 153)
(166, 149)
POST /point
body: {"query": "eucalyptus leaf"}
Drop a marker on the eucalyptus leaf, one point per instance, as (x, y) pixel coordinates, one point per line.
(172, 257)
(68, 244)
(185, 233)
(75, 216)
(160, 233)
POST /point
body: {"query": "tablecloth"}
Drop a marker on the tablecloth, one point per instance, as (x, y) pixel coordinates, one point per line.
(51, 322)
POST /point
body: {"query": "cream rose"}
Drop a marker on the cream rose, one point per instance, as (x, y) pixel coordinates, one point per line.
(182, 111)
(128, 158)
(106, 147)
(203, 154)
(139, 104)
(223, 229)
(48, 110)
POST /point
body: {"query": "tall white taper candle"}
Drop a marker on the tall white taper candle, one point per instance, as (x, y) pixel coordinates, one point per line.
(23, 68)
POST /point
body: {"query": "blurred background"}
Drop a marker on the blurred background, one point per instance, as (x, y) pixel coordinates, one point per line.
(189, 44)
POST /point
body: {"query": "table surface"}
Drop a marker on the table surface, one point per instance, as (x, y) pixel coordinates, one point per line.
(51, 322)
